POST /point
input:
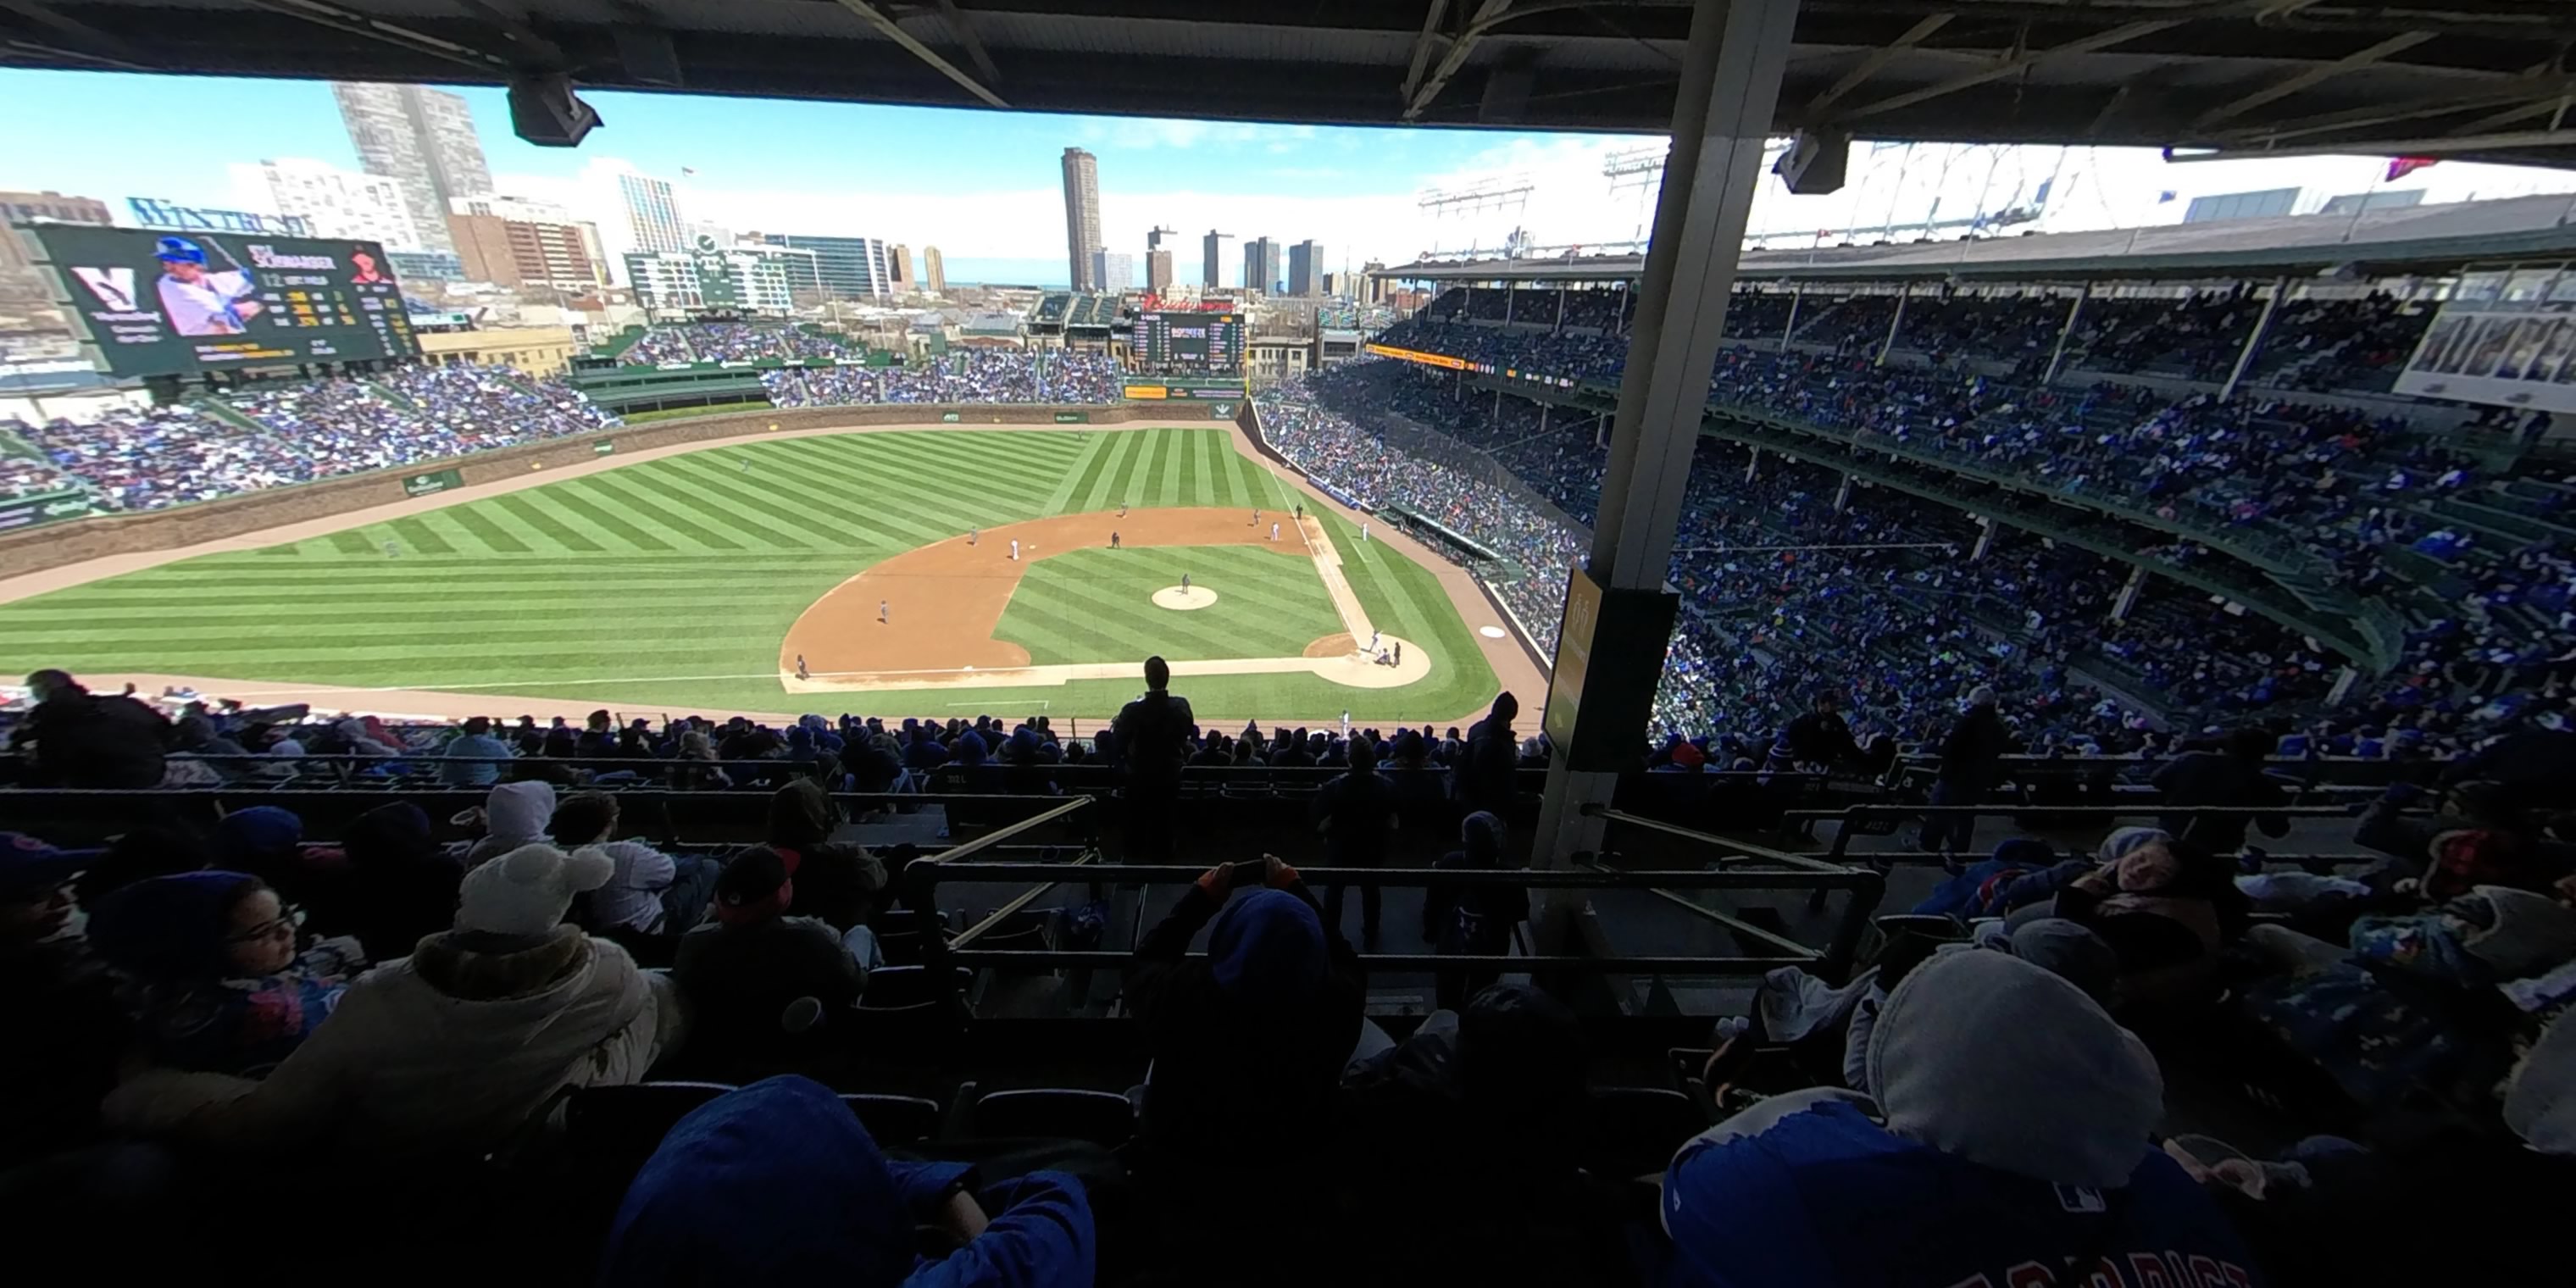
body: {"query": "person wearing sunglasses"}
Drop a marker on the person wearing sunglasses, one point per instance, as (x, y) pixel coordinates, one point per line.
(215, 971)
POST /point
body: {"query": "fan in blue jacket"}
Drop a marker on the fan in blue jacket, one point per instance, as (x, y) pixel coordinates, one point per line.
(777, 1183)
(2008, 1145)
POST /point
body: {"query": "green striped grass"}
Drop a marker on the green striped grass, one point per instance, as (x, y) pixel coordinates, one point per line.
(667, 584)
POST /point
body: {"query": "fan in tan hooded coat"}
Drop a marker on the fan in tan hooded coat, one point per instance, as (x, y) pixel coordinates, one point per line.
(449, 1050)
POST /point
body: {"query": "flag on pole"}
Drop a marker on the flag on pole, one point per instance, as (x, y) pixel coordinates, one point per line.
(2400, 167)
(2164, 196)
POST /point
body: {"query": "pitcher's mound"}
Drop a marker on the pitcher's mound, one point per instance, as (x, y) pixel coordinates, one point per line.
(1173, 597)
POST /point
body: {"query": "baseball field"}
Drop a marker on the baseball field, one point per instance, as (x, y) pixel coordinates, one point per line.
(902, 572)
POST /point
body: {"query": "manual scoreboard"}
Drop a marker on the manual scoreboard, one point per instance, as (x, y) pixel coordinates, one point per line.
(1193, 342)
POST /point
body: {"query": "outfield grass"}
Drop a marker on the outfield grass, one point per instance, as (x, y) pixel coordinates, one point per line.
(1087, 605)
(668, 584)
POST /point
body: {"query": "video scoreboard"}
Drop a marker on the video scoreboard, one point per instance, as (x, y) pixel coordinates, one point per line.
(165, 304)
(1177, 342)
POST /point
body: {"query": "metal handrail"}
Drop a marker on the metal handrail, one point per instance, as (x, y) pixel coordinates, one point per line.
(1754, 853)
(1000, 834)
(1863, 813)
(922, 877)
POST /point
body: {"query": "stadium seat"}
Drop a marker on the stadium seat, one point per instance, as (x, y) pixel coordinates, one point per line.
(1633, 1131)
(1105, 1118)
(617, 1128)
(895, 1120)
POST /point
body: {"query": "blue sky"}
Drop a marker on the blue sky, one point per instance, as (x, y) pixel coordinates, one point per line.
(115, 135)
(984, 186)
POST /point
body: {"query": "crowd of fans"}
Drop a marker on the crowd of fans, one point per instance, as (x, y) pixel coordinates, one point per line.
(1987, 1088)
(957, 376)
(737, 342)
(2345, 343)
(254, 437)
(1904, 631)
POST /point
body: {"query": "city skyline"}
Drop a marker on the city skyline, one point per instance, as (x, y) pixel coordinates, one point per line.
(743, 165)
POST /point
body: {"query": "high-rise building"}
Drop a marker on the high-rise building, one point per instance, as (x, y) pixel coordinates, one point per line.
(1082, 217)
(1306, 269)
(423, 140)
(899, 269)
(848, 268)
(1112, 271)
(334, 202)
(518, 253)
(934, 274)
(1372, 287)
(1158, 271)
(1212, 259)
(653, 220)
(39, 208)
(1261, 265)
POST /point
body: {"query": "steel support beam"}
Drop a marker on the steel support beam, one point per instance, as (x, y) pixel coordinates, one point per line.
(894, 31)
(2006, 66)
(964, 31)
(2286, 86)
(1730, 86)
(401, 37)
(1874, 62)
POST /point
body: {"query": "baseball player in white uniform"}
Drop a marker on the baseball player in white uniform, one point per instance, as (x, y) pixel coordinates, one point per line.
(199, 302)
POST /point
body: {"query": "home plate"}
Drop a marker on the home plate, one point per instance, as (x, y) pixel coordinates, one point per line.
(1174, 597)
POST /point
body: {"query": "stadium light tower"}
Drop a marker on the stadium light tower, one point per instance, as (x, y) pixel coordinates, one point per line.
(1505, 192)
(1641, 169)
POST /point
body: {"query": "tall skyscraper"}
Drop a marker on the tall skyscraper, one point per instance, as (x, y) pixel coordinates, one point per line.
(423, 140)
(934, 273)
(849, 268)
(1081, 216)
(653, 220)
(1112, 271)
(1261, 265)
(1158, 270)
(899, 269)
(334, 202)
(1212, 259)
(1306, 269)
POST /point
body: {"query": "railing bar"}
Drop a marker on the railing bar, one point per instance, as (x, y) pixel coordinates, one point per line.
(1750, 851)
(985, 841)
(1003, 913)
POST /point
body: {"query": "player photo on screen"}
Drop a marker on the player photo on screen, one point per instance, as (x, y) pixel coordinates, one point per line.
(365, 264)
(200, 302)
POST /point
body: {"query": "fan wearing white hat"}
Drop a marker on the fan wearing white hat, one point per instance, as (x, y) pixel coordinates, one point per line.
(452, 1048)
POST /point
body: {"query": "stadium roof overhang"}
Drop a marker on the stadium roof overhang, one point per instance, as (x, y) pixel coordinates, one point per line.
(2377, 243)
(2471, 78)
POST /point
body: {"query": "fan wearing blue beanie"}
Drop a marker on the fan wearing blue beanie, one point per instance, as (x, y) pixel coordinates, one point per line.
(1249, 1041)
(778, 1183)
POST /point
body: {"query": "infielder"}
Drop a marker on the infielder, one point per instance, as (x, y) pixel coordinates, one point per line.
(1256, 518)
(972, 533)
(1122, 509)
(199, 302)
(1015, 548)
(1274, 532)
(801, 672)
(884, 614)
(1113, 538)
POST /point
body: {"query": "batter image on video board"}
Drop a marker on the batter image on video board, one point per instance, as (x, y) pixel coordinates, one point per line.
(177, 304)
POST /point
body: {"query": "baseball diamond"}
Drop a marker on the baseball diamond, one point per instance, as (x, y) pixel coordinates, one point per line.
(694, 578)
